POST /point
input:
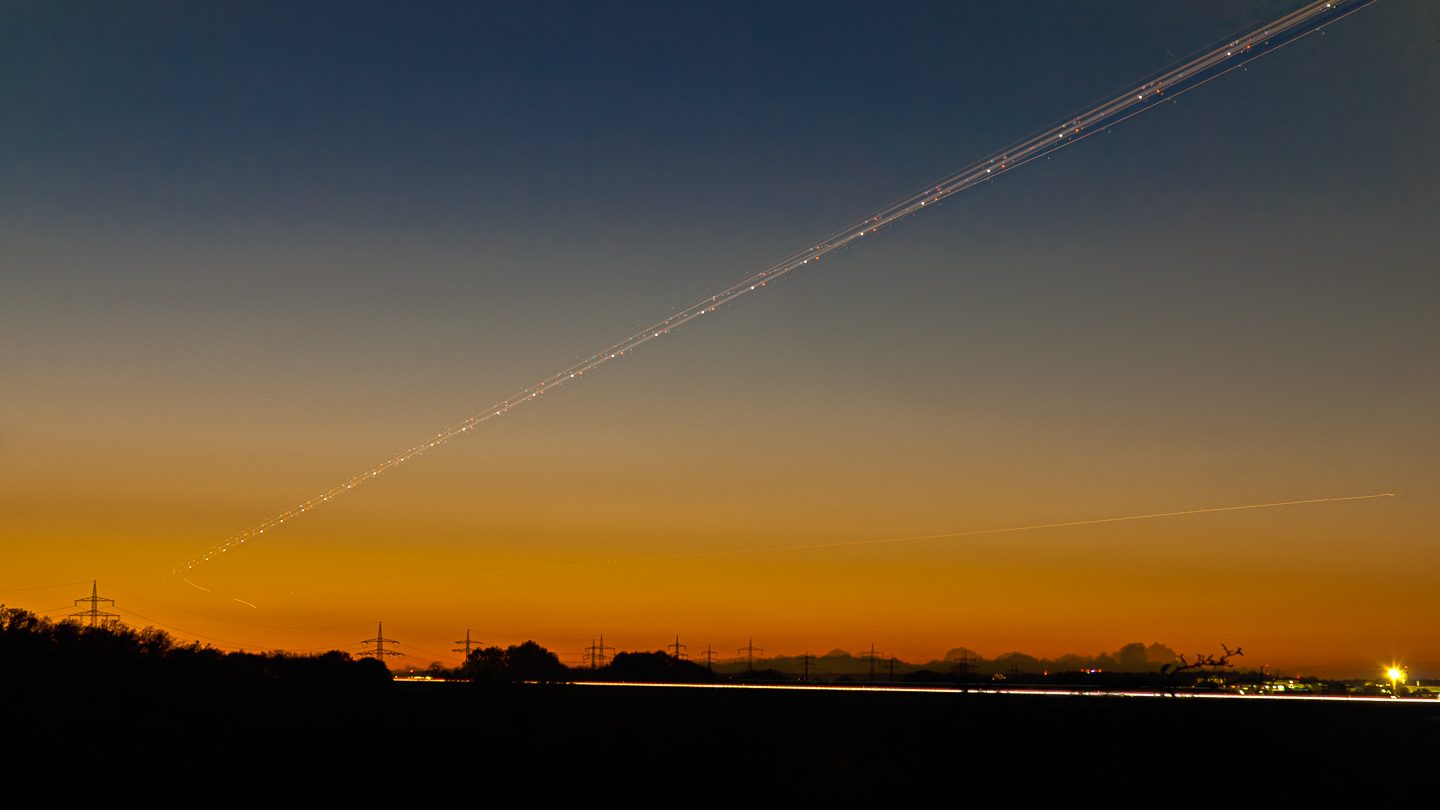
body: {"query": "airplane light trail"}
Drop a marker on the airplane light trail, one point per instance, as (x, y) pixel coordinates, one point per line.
(1169, 83)
(809, 546)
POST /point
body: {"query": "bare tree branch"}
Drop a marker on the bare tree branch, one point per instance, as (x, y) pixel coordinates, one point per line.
(1202, 661)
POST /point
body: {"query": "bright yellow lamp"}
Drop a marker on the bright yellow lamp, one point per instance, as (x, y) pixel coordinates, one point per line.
(1397, 677)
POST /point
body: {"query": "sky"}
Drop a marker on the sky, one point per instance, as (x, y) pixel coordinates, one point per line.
(252, 249)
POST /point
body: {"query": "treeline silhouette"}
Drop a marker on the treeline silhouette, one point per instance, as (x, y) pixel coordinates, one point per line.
(532, 662)
(130, 703)
(36, 652)
(126, 700)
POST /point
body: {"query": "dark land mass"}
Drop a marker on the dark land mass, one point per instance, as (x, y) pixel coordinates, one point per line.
(111, 706)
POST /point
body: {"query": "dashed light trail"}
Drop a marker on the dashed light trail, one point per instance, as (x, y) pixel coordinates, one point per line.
(1169, 83)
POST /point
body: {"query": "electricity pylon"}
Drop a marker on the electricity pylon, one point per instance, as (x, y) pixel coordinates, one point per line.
(806, 661)
(708, 657)
(963, 666)
(870, 656)
(679, 649)
(467, 642)
(748, 654)
(380, 653)
(95, 617)
(595, 654)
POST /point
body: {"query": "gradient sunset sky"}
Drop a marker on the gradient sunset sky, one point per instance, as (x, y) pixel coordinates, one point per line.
(251, 249)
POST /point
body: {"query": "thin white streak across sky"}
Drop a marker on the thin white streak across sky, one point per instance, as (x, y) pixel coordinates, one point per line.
(809, 546)
(1169, 83)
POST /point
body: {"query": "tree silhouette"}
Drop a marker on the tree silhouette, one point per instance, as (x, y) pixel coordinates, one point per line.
(1202, 662)
(521, 662)
(56, 655)
(655, 667)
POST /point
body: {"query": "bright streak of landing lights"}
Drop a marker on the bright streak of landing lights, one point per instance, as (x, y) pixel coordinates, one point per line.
(960, 690)
(1172, 82)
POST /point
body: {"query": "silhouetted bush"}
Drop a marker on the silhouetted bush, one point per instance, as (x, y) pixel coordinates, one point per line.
(521, 662)
(654, 667)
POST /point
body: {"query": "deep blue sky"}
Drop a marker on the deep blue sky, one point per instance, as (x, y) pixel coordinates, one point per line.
(478, 118)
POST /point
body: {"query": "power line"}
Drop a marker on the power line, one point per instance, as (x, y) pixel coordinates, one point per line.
(431, 653)
(43, 587)
(418, 633)
(189, 633)
(229, 621)
(184, 633)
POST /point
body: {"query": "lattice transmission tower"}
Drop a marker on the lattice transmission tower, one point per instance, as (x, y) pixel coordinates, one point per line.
(678, 649)
(748, 654)
(807, 661)
(595, 654)
(379, 653)
(963, 665)
(468, 645)
(95, 617)
(709, 657)
(872, 658)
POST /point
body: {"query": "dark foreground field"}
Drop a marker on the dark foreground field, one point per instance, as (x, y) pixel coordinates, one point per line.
(562, 738)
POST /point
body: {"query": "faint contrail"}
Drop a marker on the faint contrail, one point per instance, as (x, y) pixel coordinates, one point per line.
(1195, 72)
(687, 555)
(1045, 525)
